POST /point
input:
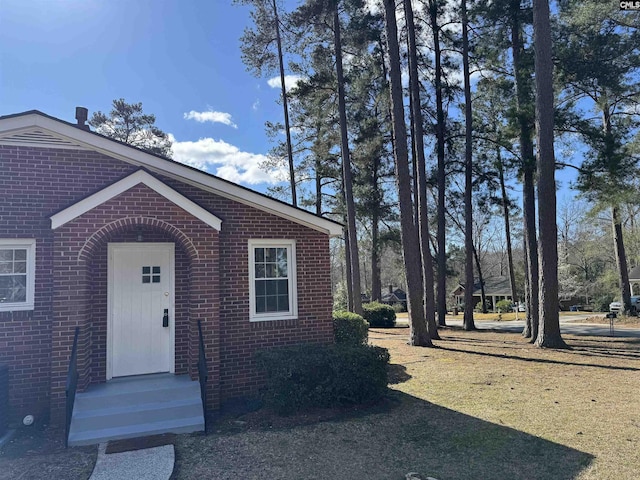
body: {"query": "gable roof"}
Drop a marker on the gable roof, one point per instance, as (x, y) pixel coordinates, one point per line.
(36, 129)
(115, 189)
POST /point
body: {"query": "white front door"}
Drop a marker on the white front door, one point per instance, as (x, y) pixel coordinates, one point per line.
(140, 332)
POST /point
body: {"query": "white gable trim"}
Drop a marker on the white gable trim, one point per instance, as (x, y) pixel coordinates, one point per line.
(106, 194)
(171, 169)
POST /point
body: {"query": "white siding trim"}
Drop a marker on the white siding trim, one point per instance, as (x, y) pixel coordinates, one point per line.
(106, 194)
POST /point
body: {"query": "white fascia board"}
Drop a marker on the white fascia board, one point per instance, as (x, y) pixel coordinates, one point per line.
(107, 193)
(175, 170)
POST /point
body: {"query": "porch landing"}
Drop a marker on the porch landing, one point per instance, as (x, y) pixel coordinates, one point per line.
(136, 407)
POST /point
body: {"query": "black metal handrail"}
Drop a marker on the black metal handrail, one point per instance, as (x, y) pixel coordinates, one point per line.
(203, 375)
(71, 386)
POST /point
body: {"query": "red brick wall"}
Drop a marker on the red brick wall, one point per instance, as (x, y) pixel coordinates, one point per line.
(39, 182)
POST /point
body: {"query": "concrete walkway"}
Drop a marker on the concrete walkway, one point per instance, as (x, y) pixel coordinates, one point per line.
(147, 464)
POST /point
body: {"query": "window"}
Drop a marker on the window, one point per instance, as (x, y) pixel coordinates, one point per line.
(17, 274)
(272, 276)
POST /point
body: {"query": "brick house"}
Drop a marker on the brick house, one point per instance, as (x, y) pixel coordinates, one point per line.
(135, 249)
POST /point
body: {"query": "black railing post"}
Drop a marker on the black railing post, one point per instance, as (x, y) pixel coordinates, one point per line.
(71, 386)
(203, 375)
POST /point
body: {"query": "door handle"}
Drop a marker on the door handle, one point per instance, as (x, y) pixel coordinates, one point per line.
(165, 318)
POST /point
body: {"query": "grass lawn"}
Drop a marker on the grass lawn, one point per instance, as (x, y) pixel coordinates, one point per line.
(483, 405)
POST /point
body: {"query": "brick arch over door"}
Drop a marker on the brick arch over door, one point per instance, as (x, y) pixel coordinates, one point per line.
(120, 224)
(80, 270)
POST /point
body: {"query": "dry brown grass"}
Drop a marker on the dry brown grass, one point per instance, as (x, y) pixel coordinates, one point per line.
(483, 405)
(586, 399)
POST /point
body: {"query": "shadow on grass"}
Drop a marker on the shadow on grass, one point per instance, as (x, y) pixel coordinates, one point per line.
(397, 374)
(401, 434)
(539, 360)
(622, 348)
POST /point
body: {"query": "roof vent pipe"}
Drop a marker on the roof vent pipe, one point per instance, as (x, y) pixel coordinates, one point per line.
(81, 116)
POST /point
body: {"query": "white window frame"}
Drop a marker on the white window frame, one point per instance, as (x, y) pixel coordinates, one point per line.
(290, 245)
(30, 245)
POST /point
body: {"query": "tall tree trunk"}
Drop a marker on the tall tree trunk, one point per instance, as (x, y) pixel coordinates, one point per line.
(621, 259)
(419, 334)
(347, 261)
(507, 226)
(346, 170)
(287, 129)
(468, 323)
(483, 295)
(528, 178)
(376, 282)
(441, 174)
(421, 173)
(549, 327)
(318, 168)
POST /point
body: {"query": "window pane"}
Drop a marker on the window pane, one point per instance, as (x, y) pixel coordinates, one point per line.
(6, 255)
(283, 303)
(20, 254)
(156, 270)
(146, 279)
(272, 304)
(282, 255)
(261, 305)
(259, 255)
(261, 287)
(283, 287)
(270, 270)
(270, 254)
(271, 287)
(13, 289)
(260, 270)
(282, 269)
(156, 279)
(146, 270)
(20, 267)
(6, 267)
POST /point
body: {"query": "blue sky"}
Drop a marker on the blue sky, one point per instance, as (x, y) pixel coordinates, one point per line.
(181, 59)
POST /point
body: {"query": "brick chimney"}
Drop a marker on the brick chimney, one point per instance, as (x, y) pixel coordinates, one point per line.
(81, 116)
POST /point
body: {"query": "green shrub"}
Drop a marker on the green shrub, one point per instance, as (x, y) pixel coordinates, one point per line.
(379, 314)
(504, 306)
(399, 307)
(305, 376)
(349, 328)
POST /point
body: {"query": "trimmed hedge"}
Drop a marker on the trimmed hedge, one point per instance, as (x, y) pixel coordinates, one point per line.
(305, 376)
(349, 328)
(379, 314)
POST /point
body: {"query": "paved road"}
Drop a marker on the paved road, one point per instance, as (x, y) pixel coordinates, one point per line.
(568, 324)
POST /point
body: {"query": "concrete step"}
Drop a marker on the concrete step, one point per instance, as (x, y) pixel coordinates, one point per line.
(180, 425)
(136, 406)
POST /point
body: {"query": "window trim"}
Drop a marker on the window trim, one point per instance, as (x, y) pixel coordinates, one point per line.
(30, 245)
(290, 245)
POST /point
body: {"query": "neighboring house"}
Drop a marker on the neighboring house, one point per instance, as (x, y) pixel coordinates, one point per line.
(135, 250)
(634, 280)
(495, 289)
(394, 296)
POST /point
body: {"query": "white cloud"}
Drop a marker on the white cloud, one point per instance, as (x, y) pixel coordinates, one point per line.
(210, 116)
(290, 81)
(226, 161)
(256, 105)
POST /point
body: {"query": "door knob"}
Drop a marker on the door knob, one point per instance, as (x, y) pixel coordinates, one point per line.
(165, 318)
